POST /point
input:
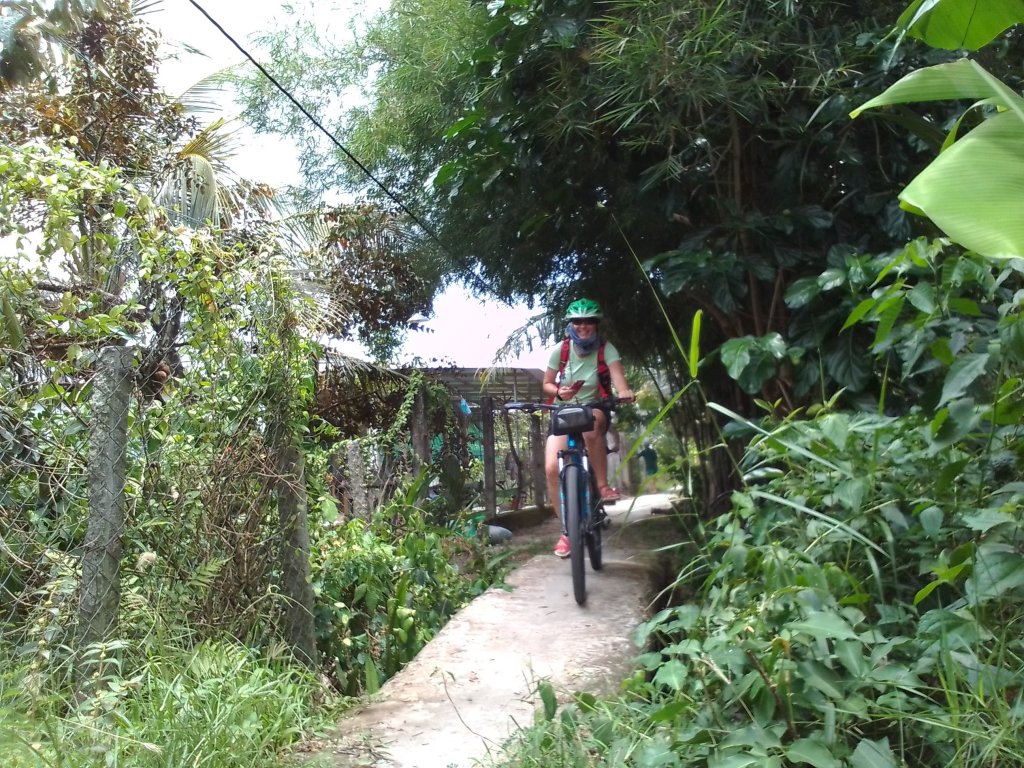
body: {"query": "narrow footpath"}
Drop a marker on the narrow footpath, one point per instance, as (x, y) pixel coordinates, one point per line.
(475, 683)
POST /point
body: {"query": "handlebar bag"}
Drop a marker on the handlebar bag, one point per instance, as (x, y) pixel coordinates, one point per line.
(572, 418)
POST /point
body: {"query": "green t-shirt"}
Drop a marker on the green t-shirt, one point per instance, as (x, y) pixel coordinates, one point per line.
(579, 367)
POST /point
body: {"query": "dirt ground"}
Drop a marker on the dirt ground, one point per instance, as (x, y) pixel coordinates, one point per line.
(475, 683)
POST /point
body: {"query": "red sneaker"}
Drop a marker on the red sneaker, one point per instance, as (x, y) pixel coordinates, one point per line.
(610, 494)
(562, 547)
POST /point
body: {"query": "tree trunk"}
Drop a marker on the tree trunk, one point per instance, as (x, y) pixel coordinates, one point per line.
(296, 579)
(101, 551)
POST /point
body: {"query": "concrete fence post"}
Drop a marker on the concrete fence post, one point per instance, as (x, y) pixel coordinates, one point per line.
(100, 590)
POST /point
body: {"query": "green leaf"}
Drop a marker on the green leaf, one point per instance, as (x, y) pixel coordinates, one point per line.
(548, 698)
(733, 761)
(962, 374)
(954, 423)
(851, 492)
(960, 80)
(983, 161)
(813, 751)
(873, 754)
(926, 590)
(965, 307)
(851, 655)
(657, 753)
(959, 25)
(821, 678)
(888, 313)
(922, 297)
(15, 334)
(831, 279)
(986, 519)
(751, 360)
(735, 354)
(669, 711)
(995, 573)
(931, 520)
(671, 674)
(695, 343)
(444, 174)
(802, 292)
(836, 428)
(859, 311)
(371, 675)
(328, 509)
(846, 362)
(825, 625)
(1011, 334)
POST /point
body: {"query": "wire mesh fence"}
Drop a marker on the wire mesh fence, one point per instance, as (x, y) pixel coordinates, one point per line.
(115, 503)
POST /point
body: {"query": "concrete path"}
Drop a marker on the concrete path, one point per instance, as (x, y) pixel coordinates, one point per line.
(475, 683)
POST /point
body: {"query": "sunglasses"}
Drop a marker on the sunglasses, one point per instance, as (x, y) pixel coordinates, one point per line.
(583, 321)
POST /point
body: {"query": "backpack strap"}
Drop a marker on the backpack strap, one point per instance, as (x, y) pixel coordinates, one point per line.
(564, 358)
(604, 374)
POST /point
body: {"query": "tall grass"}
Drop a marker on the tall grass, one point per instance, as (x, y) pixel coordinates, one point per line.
(219, 705)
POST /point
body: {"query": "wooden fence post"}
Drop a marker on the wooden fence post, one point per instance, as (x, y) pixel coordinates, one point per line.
(490, 480)
(540, 483)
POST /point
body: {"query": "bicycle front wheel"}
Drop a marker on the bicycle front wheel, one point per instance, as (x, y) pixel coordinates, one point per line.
(574, 523)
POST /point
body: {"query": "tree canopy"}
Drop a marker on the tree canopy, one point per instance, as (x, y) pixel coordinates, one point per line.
(557, 147)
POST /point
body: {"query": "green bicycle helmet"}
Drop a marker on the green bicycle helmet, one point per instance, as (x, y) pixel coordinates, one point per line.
(583, 309)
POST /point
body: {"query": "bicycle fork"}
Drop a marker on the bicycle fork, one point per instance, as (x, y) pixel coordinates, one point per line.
(584, 462)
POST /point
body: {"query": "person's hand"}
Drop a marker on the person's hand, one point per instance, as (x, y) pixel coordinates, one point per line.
(568, 393)
(626, 396)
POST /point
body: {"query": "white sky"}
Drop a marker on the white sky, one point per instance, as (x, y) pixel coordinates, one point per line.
(465, 332)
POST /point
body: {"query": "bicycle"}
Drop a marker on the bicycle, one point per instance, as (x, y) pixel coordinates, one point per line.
(583, 512)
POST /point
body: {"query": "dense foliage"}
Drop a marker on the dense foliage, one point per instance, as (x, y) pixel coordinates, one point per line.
(856, 605)
(117, 230)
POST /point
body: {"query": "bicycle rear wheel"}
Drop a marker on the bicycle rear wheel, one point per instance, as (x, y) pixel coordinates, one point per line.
(574, 525)
(594, 524)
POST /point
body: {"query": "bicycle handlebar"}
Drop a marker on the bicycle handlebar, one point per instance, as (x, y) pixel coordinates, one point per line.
(610, 403)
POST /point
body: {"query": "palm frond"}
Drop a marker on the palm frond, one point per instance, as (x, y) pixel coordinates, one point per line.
(189, 192)
(538, 330)
(207, 95)
(216, 144)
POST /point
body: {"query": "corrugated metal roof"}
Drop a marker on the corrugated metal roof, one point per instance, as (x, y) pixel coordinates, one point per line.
(505, 385)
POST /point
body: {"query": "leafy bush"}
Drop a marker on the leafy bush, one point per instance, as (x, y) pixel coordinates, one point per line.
(385, 586)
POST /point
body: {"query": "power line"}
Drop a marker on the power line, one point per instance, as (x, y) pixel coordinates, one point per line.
(334, 140)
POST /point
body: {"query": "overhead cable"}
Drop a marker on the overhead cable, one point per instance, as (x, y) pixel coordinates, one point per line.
(334, 139)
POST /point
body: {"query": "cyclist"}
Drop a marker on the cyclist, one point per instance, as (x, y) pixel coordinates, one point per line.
(582, 368)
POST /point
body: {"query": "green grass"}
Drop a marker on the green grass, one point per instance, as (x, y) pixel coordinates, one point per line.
(218, 706)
